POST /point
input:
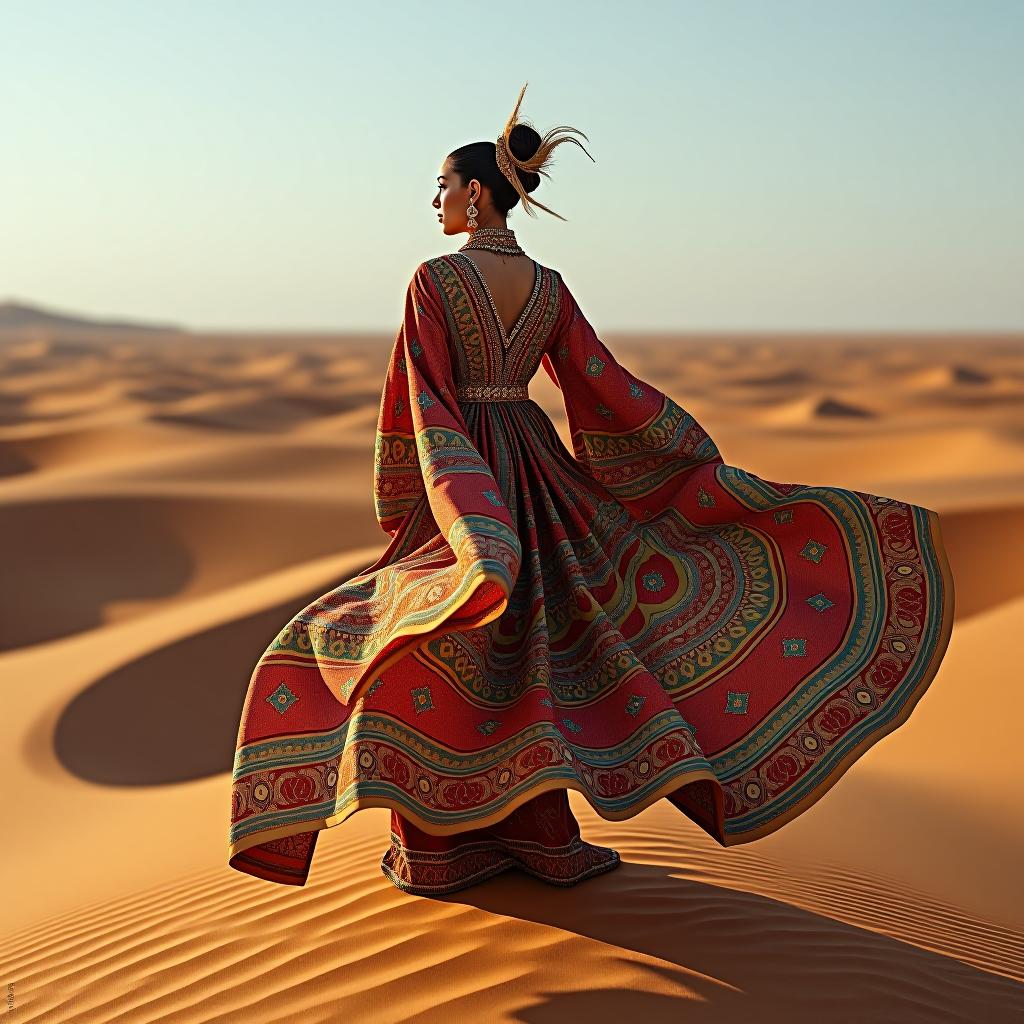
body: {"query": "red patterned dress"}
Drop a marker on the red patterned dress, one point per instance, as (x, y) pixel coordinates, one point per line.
(633, 620)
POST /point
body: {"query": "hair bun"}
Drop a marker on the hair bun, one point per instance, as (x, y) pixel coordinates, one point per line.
(539, 153)
(514, 163)
(524, 141)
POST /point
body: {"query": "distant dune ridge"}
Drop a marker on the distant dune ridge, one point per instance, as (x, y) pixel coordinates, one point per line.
(21, 316)
(171, 497)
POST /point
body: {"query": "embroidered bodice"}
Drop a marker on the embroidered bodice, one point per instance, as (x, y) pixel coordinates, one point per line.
(487, 361)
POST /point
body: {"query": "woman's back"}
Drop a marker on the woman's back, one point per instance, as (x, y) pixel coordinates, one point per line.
(510, 280)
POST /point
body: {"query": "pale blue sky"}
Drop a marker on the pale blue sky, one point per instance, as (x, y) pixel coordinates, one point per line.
(798, 164)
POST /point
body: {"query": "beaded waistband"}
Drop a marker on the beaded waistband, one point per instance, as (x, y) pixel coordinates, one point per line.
(493, 393)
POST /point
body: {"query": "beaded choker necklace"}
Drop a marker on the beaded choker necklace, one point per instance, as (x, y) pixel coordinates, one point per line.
(499, 240)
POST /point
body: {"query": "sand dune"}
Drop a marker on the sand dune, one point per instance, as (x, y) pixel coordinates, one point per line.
(677, 934)
(171, 500)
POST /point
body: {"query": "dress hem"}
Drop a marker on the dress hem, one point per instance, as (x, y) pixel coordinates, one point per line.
(562, 866)
(723, 838)
(362, 803)
(900, 718)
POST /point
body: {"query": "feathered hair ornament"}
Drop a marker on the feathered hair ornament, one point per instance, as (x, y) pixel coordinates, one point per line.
(508, 162)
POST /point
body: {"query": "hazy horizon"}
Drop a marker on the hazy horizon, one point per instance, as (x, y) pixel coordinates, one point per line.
(799, 168)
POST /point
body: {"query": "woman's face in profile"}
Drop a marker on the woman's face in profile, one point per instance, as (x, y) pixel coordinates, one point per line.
(453, 199)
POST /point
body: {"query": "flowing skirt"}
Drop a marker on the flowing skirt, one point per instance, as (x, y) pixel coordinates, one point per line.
(734, 647)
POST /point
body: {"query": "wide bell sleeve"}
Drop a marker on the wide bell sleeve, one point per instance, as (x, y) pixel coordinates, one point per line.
(456, 565)
(397, 480)
(632, 438)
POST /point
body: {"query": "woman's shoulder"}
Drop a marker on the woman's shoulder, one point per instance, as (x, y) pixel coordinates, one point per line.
(447, 257)
(443, 262)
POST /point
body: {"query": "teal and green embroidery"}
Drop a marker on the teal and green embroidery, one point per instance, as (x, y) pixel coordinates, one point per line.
(281, 699)
(736, 703)
(634, 704)
(813, 550)
(653, 581)
(421, 699)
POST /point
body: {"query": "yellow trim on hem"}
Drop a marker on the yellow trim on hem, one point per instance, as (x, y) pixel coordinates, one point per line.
(431, 629)
(855, 753)
(675, 782)
(669, 786)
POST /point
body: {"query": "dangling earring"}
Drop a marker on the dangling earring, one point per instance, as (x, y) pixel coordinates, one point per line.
(471, 212)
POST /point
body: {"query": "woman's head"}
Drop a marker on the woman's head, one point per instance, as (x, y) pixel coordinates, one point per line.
(470, 174)
(473, 175)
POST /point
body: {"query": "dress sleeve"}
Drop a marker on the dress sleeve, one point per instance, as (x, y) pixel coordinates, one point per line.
(398, 476)
(631, 437)
(423, 447)
(458, 576)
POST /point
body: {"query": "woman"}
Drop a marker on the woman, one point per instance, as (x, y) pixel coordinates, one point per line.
(635, 620)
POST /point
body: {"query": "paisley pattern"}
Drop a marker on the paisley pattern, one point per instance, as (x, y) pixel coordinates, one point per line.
(633, 619)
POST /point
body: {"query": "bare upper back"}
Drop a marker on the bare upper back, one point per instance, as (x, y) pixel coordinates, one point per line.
(510, 280)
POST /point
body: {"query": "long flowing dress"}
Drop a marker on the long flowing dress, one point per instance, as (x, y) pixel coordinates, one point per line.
(634, 620)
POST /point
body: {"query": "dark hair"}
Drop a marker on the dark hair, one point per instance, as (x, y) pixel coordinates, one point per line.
(478, 160)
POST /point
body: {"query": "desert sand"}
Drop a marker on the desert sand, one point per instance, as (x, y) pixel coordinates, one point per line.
(168, 499)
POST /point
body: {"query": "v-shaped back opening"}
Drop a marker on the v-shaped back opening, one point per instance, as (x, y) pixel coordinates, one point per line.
(507, 333)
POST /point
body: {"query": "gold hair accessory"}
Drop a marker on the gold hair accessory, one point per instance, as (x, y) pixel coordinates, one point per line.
(508, 162)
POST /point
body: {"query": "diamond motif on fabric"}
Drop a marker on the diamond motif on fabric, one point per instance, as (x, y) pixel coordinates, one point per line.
(704, 499)
(595, 366)
(783, 515)
(492, 497)
(570, 724)
(819, 602)
(563, 352)
(419, 308)
(489, 726)
(421, 699)
(603, 410)
(346, 687)
(736, 703)
(635, 390)
(399, 406)
(281, 699)
(416, 348)
(546, 701)
(376, 684)
(425, 400)
(794, 647)
(653, 581)
(813, 550)
(634, 704)
(402, 365)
